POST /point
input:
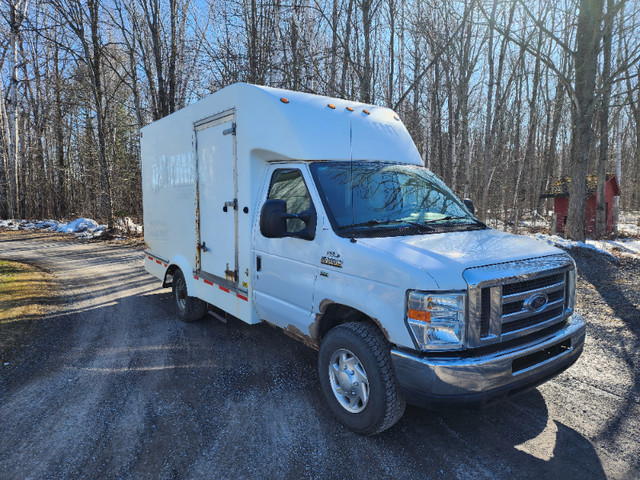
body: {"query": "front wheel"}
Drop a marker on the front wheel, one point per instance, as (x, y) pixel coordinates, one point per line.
(189, 308)
(358, 380)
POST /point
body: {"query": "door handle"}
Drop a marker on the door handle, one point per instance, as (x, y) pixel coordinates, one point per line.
(204, 247)
(258, 263)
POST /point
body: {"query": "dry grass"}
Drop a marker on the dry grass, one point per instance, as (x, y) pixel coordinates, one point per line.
(25, 297)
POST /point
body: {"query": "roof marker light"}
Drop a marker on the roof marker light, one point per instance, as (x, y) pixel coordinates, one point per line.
(366, 111)
(284, 100)
(350, 109)
(331, 106)
(395, 117)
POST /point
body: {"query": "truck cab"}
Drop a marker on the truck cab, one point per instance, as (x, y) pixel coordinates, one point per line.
(317, 216)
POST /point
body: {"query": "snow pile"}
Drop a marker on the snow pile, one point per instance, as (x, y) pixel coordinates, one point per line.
(128, 226)
(14, 224)
(630, 247)
(80, 227)
(83, 227)
(629, 223)
(9, 225)
(626, 245)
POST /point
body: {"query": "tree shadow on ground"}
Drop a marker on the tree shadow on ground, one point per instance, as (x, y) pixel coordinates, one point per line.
(608, 275)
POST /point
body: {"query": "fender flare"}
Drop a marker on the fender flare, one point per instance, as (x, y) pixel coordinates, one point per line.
(179, 261)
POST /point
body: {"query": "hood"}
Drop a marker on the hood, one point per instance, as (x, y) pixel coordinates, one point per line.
(444, 256)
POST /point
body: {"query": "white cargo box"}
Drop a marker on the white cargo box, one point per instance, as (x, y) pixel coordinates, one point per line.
(203, 168)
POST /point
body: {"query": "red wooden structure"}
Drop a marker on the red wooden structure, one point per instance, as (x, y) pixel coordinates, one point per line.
(560, 194)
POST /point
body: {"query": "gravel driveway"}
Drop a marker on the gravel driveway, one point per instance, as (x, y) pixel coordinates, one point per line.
(113, 386)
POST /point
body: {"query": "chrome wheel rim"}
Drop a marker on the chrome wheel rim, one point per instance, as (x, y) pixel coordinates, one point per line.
(181, 293)
(349, 381)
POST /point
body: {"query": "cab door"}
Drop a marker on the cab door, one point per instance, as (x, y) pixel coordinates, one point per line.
(285, 272)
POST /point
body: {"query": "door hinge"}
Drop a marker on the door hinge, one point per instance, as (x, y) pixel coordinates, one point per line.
(231, 130)
(231, 275)
(233, 203)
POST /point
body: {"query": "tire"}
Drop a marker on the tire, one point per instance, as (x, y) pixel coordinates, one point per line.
(190, 309)
(358, 380)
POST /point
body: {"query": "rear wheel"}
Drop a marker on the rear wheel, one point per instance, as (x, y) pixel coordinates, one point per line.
(189, 308)
(358, 379)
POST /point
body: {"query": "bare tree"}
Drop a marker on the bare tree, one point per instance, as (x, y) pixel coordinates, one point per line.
(601, 207)
(16, 10)
(588, 37)
(84, 20)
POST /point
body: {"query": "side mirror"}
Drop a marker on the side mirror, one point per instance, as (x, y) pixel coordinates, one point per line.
(469, 204)
(273, 219)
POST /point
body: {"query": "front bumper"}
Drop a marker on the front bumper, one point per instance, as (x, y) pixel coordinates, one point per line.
(459, 381)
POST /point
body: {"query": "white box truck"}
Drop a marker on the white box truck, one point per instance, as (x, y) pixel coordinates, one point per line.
(316, 215)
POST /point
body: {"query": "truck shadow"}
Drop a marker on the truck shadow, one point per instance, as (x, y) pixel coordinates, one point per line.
(515, 439)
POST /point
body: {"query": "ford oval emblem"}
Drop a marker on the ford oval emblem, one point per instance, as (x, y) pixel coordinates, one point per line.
(536, 302)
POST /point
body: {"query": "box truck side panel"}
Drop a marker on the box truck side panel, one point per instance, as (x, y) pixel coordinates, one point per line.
(168, 185)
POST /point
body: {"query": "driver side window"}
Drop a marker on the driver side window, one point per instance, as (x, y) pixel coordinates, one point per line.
(287, 184)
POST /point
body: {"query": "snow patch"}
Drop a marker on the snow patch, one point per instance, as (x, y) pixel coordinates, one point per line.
(80, 227)
(627, 246)
(629, 223)
(127, 225)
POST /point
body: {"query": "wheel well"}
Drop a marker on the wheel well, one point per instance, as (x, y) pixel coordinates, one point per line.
(336, 314)
(169, 273)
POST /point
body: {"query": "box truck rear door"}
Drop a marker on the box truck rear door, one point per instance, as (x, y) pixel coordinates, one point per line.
(216, 196)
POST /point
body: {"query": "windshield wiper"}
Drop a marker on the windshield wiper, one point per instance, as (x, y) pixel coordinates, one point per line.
(449, 217)
(375, 222)
(421, 225)
(370, 223)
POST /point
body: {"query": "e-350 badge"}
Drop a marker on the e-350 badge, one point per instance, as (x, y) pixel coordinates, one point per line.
(331, 262)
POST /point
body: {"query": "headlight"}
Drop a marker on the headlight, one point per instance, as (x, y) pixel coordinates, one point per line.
(436, 320)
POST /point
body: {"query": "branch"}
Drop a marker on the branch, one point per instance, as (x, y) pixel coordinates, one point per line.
(435, 58)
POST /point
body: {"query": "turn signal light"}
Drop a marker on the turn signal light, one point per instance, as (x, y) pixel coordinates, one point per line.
(419, 315)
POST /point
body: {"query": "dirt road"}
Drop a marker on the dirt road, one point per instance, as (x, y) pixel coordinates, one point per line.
(113, 386)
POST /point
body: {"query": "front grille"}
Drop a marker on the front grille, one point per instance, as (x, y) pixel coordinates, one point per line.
(527, 285)
(485, 312)
(515, 313)
(532, 320)
(534, 296)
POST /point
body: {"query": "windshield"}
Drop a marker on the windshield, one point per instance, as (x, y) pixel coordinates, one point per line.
(381, 197)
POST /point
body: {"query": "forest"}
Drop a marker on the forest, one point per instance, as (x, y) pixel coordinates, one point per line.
(503, 98)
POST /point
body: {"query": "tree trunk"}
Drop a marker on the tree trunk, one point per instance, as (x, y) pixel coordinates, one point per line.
(365, 80)
(17, 9)
(333, 64)
(347, 50)
(529, 153)
(488, 138)
(601, 206)
(94, 58)
(586, 61)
